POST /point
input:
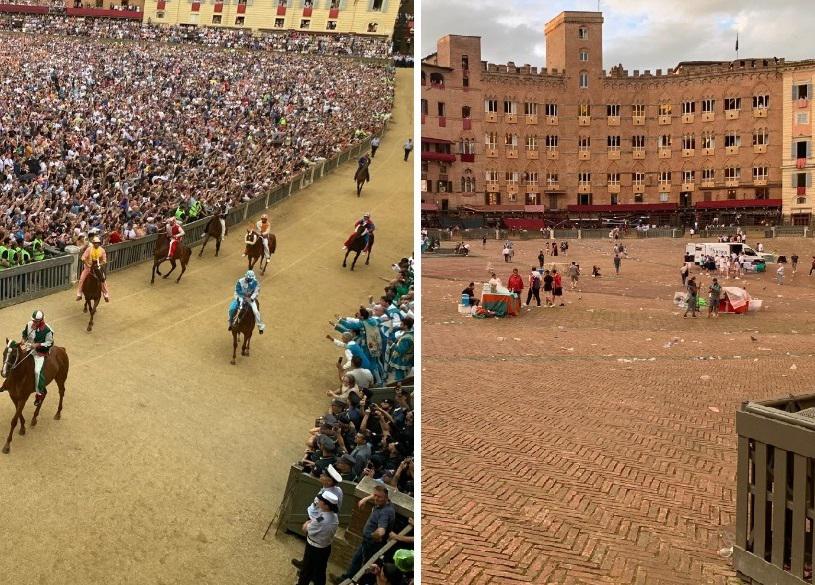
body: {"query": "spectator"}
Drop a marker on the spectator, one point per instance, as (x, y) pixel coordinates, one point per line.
(515, 283)
(534, 287)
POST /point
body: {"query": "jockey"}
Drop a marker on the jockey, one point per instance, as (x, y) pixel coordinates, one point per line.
(175, 232)
(40, 338)
(221, 210)
(247, 290)
(94, 254)
(365, 160)
(264, 228)
(367, 228)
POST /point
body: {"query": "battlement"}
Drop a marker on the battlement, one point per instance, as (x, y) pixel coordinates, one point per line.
(695, 68)
(525, 70)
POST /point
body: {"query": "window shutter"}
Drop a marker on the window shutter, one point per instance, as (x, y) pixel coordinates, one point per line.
(384, 5)
(809, 179)
(808, 148)
(342, 4)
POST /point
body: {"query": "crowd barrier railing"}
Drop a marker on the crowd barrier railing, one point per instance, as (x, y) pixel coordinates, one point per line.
(23, 283)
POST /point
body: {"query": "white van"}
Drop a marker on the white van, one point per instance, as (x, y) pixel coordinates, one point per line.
(697, 252)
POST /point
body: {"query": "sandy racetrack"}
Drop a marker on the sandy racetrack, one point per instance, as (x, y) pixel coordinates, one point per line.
(169, 462)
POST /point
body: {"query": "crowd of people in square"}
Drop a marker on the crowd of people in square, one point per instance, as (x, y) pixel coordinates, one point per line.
(115, 138)
(359, 436)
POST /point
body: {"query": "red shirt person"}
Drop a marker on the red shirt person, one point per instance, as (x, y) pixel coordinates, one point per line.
(515, 282)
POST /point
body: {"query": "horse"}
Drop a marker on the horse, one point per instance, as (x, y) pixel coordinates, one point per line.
(92, 291)
(358, 245)
(361, 177)
(243, 324)
(254, 249)
(213, 230)
(18, 371)
(182, 253)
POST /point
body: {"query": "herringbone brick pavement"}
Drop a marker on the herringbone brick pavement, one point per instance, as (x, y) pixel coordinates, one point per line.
(595, 444)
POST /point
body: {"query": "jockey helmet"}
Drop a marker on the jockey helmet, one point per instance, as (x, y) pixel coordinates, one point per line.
(367, 214)
(96, 240)
(264, 216)
(250, 275)
(37, 316)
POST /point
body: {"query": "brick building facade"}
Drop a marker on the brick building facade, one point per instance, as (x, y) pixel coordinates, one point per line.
(701, 142)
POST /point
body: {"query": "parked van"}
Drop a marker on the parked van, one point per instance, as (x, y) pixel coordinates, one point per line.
(697, 252)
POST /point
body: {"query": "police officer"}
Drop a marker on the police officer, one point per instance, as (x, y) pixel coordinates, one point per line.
(38, 248)
(4, 254)
(320, 532)
(24, 256)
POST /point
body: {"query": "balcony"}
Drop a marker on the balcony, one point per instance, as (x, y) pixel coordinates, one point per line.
(511, 118)
(760, 148)
(532, 155)
(512, 153)
(664, 120)
(707, 151)
(708, 183)
(614, 154)
(687, 152)
(801, 191)
(439, 156)
(759, 112)
(638, 120)
(800, 163)
(731, 182)
(531, 119)
(664, 186)
(512, 188)
(760, 182)
(803, 103)
(664, 153)
(551, 120)
(731, 114)
(583, 120)
(708, 116)
(639, 188)
(442, 121)
(583, 155)
(639, 153)
(687, 187)
(552, 154)
(552, 186)
(490, 117)
(492, 152)
(688, 118)
(613, 187)
(731, 149)
(466, 124)
(613, 120)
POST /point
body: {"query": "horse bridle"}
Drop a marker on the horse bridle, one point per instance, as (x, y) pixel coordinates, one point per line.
(17, 361)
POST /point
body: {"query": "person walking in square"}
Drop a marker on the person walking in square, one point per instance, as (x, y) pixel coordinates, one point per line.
(617, 261)
(374, 145)
(715, 293)
(515, 283)
(794, 259)
(408, 148)
(541, 258)
(534, 287)
(693, 299)
(683, 272)
(779, 274)
(574, 274)
(557, 288)
(547, 288)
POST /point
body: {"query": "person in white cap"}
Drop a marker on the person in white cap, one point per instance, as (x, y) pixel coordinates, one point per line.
(39, 337)
(320, 532)
(264, 228)
(94, 254)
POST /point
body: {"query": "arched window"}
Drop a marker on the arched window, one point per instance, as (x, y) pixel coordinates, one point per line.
(437, 80)
(584, 79)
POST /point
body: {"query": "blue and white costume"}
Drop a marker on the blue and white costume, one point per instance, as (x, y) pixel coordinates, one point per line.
(248, 289)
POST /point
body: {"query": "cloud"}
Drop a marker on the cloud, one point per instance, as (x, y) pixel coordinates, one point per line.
(640, 34)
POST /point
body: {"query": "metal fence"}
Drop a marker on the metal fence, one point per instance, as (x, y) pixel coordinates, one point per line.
(23, 283)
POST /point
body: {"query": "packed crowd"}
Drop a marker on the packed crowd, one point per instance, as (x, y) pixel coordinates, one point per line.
(115, 138)
(361, 436)
(374, 47)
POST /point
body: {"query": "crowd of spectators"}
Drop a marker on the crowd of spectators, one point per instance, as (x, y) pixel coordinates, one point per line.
(115, 137)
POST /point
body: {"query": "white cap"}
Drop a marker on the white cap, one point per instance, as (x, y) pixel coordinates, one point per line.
(332, 471)
(330, 497)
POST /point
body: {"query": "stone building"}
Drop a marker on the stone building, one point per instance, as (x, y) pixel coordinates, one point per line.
(699, 143)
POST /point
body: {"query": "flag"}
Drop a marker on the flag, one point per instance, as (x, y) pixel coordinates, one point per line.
(737, 42)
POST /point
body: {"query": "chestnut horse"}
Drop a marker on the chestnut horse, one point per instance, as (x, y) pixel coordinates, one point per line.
(254, 249)
(18, 371)
(243, 324)
(92, 291)
(213, 230)
(358, 245)
(361, 177)
(182, 253)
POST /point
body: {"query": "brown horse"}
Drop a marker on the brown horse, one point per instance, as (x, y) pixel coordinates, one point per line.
(18, 371)
(243, 324)
(213, 230)
(361, 177)
(254, 249)
(92, 291)
(182, 253)
(358, 245)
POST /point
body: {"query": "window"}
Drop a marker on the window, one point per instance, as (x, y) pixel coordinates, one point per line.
(732, 139)
(278, 22)
(282, 3)
(614, 199)
(800, 91)
(442, 109)
(665, 177)
(424, 107)
(613, 142)
(551, 179)
(551, 109)
(638, 110)
(688, 176)
(372, 26)
(491, 139)
(492, 176)
(732, 104)
(584, 110)
(613, 178)
(688, 107)
(332, 25)
(305, 23)
(377, 5)
(584, 79)
(216, 19)
(160, 14)
(731, 193)
(584, 143)
(708, 106)
(708, 174)
(530, 109)
(800, 179)
(437, 80)
(532, 143)
(665, 141)
(582, 33)
(511, 141)
(465, 112)
(665, 109)
(708, 140)
(760, 136)
(761, 102)
(584, 55)
(732, 173)
(638, 142)
(638, 179)
(511, 177)
(760, 173)
(584, 198)
(493, 199)
(531, 178)
(551, 142)
(664, 197)
(584, 178)
(802, 118)
(465, 62)
(241, 19)
(467, 184)
(510, 107)
(688, 142)
(638, 198)
(491, 106)
(612, 110)
(467, 146)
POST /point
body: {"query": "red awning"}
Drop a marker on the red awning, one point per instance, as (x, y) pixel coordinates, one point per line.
(442, 156)
(738, 203)
(534, 208)
(430, 207)
(436, 140)
(625, 207)
(495, 208)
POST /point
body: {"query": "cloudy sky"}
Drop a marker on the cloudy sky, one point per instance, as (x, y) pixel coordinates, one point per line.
(640, 34)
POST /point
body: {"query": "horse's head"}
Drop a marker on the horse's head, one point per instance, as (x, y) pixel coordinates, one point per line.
(10, 356)
(96, 271)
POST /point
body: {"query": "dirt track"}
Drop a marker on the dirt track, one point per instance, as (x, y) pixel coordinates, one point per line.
(169, 462)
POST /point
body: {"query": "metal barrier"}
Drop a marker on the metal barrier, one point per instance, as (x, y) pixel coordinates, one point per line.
(23, 283)
(775, 520)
